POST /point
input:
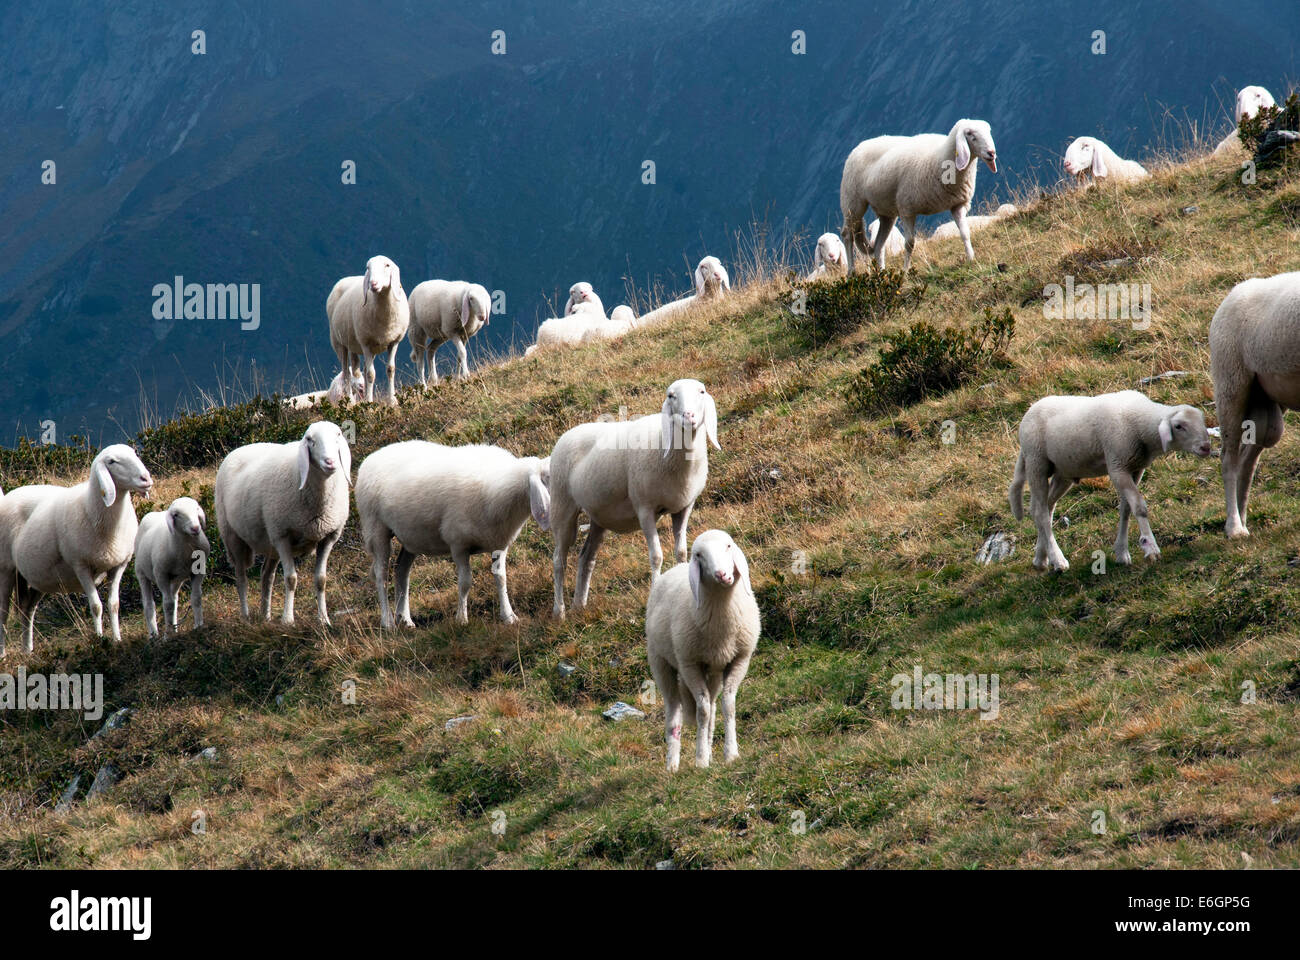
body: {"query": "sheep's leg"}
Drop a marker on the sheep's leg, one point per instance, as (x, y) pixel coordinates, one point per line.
(380, 549)
(115, 603)
(462, 357)
(909, 237)
(170, 591)
(963, 228)
(693, 677)
(402, 578)
(1046, 551)
(680, 519)
(731, 679)
(672, 714)
(587, 563)
(392, 373)
(7, 579)
(1269, 420)
(87, 580)
(565, 531)
(503, 596)
(268, 586)
(196, 598)
(240, 557)
(656, 551)
(1126, 484)
(147, 602)
(28, 599)
(884, 225)
(1121, 537)
(464, 578)
(368, 368)
(321, 574)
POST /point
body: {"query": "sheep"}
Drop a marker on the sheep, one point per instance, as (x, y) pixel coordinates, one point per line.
(948, 230)
(853, 204)
(441, 501)
(620, 322)
(368, 316)
(579, 293)
(171, 547)
(336, 393)
(1066, 439)
(281, 500)
(702, 626)
(63, 539)
(711, 280)
(1253, 362)
(626, 474)
(1250, 100)
(829, 259)
(895, 243)
(1090, 154)
(443, 310)
(926, 174)
(666, 310)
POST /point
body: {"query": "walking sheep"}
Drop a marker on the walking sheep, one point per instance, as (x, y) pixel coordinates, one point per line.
(701, 627)
(626, 474)
(368, 317)
(853, 203)
(1066, 439)
(443, 310)
(170, 548)
(280, 500)
(1255, 363)
(65, 539)
(440, 501)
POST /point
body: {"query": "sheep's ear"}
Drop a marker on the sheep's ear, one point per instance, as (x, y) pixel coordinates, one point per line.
(694, 578)
(304, 462)
(963, 149)
(1166, 434)
(107, 488)
(1098, 161)
(666, 427)
(365, 286)
(742, 569)
(464, 308)
(345, 457)
(539, 501)
(394, 277)
(726, 280)
(203, 518)
(171, 522)
(711, 420)
(699, 282)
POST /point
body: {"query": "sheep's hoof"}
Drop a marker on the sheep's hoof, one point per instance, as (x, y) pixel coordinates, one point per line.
(1125, 558)
(1240, 533)
(1149, 548)
(1059, 565)
(512, 619)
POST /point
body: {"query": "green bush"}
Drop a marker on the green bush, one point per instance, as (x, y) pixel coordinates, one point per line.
(29, 462)
(1286, 117)
(836, 307)
(924, 361)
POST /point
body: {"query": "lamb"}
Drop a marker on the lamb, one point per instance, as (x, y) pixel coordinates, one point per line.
(702, 626)
(1254, 351)
(926, 174)
(1250, 100)
(830, 258)
(336, 393)
(620, 322)
(1065, 439)
(853, 204)
(441, 501)
(280, 500)
(1090, 154)
(171, 547)
(580, 293)
(368, 317)
(711, 280)
(946, 231)
(443, 310)
(626, 474)
(64, 539)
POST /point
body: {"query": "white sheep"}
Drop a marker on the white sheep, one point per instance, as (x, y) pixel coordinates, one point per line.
(281, 500)
(926, 174)
(581, 292)
(853, 203)
(446, 501)
(1066, 439)
(1090, 155)
(625, 474)
(711, 280)
(830, 258)
(443, 310)
(1250, 100)
(67, 539)
(1254, 345)
(336, 393)
(702, 626)
(666, 310)
(621, 321)
(946, 231)
(368, 317)
(170, 548)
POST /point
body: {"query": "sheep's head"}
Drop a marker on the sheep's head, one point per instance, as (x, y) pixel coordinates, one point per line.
(381, 274)
(1086, 153)
(831, 248)
(974, 138)
(623, 314)
(475, 304)
(324, 447)
(711, 278)
(715, 559)
(689, 404)
(581, 292)
(117, 468)
(1184, 429)
(186, 518)
(1251, 100)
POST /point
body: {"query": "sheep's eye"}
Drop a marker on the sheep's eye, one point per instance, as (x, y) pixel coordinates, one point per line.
(1178, 426)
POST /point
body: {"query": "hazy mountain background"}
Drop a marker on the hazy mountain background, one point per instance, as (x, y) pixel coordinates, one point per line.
(521, 171)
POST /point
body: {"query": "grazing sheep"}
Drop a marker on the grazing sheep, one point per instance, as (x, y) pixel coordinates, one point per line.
(443, 310)
(853, 203)
(281, 500)
(948, 230)
(171, 547)
(446, 501)
(711, 280)
(1255, 363)
(830, 258)
(620, 322)
(626, 474)
(368, 317)
(1088, 154)
(64, 539)
(701, 627)
(1250, 100)
(1066, 439)
(927, 174)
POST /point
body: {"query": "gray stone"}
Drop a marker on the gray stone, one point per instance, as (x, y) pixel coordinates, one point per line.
(455, 722)
(69, 796)
(116, 721)
(1167, 375)
(104, 780)
(621, 711)
(999, 546)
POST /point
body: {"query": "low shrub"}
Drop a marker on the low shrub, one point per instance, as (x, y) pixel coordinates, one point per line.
(835, 307)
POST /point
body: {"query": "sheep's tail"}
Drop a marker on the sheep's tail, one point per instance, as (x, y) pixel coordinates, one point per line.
(1017, 491)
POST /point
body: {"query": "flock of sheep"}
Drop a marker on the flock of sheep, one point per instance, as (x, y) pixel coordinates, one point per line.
(284, 501)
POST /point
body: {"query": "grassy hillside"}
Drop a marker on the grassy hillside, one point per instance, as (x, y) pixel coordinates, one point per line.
(1120, 692)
